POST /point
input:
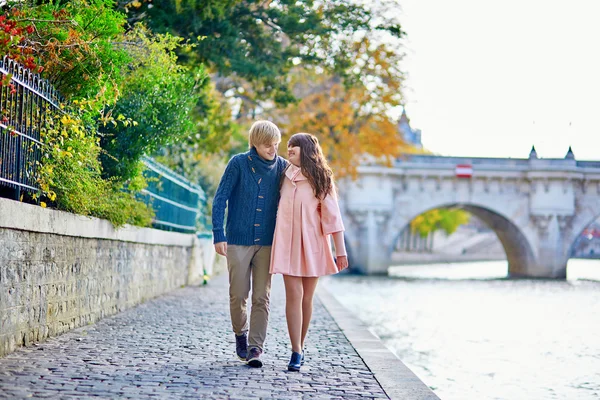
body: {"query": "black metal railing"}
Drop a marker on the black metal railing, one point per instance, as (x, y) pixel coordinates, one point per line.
(24, 104)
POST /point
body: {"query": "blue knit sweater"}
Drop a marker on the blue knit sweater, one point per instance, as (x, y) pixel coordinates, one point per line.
(249, 189)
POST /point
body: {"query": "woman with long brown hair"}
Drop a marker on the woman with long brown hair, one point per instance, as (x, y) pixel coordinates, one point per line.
(307, 218)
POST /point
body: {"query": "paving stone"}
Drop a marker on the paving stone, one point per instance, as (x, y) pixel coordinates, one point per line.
(180, 345)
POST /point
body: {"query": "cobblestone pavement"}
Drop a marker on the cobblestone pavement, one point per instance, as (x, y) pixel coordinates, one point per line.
(181, 346)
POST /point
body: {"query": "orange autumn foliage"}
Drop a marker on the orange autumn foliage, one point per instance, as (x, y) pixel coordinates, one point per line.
(350, 114)
(345, 135)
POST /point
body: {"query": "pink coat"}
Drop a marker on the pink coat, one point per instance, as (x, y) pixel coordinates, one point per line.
(301, 244)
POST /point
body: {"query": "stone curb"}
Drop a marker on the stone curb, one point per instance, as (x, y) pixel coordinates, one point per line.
(395, 378)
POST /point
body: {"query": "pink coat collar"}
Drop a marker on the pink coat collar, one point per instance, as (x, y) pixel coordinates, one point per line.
(294, 174)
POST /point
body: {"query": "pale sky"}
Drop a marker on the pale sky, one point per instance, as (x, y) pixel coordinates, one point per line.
(491, 78)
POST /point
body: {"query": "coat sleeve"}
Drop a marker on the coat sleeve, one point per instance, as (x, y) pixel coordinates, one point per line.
(331, 217)
(340, 245)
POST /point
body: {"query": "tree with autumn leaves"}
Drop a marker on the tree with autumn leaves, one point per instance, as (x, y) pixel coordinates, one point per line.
(309, 66)
(351, 113)
(256, 52)
(330, 68)
(270, 59)
(445, 220)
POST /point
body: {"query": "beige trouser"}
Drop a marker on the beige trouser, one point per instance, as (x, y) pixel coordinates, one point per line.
(245, 264)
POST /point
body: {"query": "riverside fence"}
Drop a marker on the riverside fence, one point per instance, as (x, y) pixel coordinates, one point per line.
(23, 107)
(179, 204)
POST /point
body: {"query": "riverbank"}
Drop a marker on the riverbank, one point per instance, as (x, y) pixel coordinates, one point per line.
(398, 381)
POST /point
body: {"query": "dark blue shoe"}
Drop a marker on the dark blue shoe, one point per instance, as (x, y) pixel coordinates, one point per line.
(241, 346)
(302, 360)
(295, 362)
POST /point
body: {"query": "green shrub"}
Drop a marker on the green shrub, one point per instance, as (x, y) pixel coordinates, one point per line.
(72, 43)
(70, 176)
(159, 95)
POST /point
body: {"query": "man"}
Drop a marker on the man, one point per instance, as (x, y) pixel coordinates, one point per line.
(249, 189)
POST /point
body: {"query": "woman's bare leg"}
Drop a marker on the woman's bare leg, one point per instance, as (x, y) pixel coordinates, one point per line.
(293, 310)
(309, 285)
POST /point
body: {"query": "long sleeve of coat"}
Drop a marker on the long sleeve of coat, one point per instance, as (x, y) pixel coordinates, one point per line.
(331, 217)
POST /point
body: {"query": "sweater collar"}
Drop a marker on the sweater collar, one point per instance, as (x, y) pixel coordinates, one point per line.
(260, 167)
(259, 161)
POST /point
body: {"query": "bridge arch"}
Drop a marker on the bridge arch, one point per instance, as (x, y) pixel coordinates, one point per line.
(517, 246)
(579, 223)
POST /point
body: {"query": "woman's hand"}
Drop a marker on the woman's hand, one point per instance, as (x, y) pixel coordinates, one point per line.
(342, 262)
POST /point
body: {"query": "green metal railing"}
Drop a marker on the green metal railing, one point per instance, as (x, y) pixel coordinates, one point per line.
(179, 204)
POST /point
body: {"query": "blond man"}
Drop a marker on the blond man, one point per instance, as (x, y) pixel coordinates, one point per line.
(249, 189)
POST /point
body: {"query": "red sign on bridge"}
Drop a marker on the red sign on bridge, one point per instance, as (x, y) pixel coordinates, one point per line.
(463, 170)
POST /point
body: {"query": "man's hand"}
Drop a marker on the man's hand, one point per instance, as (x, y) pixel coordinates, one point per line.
(221, 248)
(342, 262)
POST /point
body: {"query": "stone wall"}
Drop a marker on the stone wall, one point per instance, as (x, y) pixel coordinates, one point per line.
(59, 271)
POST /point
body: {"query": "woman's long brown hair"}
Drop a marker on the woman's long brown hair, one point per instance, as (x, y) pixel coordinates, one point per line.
(313, 163)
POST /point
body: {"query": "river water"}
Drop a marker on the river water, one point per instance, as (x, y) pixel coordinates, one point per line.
(469, 335)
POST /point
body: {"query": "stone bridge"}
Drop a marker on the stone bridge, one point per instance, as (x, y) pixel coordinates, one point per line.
(537, 207)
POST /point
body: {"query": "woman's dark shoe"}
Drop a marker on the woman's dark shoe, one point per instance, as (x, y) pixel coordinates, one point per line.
(302, 360)
(295, 362)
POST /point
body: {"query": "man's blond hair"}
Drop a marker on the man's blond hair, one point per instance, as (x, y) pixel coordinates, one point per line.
(263, 132)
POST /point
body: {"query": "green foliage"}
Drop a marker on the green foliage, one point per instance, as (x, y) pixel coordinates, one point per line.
(158, 96)
(73, 43)
(252, 49)
(70, 175)
(202, 157)
(126, 86)
(447, 220)
(260, 41)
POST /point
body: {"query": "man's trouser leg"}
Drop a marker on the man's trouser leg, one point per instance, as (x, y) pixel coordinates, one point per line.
(261, 292)
(238, 264)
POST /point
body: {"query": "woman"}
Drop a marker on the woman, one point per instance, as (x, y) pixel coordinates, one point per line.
(308, 214)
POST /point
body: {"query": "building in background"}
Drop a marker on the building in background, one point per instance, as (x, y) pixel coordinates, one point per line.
(410, 135)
